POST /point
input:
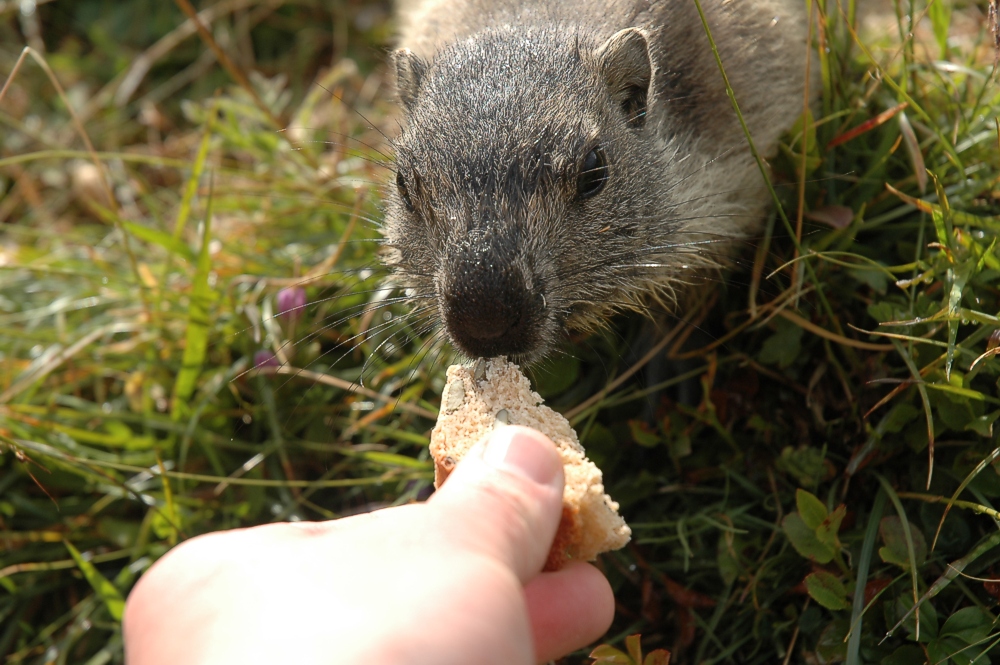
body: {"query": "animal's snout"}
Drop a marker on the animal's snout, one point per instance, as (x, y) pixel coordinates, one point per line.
(491, 307)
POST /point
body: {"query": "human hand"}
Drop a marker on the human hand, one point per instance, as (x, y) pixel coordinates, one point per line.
(455, 580)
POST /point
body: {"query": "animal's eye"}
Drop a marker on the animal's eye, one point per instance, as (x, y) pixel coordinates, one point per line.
(594, 174)
(404, 193)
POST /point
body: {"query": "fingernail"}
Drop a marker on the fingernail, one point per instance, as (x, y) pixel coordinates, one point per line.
(511, 449)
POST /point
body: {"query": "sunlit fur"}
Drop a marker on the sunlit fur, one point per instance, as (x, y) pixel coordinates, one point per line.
(503, 100)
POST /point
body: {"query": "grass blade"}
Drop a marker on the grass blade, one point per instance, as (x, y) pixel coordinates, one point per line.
(105, 590)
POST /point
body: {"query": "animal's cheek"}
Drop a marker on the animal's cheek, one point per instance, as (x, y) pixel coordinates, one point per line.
(392, 257)
(408, 230)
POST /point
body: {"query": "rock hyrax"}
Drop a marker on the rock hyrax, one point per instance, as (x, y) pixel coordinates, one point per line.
(564, 159)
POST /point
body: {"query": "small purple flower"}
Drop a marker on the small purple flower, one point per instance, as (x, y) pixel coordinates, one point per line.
(265, 358)
(290, 303)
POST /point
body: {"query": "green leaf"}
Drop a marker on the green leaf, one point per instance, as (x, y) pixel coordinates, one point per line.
(883, 311)
(729, 568)
(633, 643)
(782, 348)
(955, 413)
(393, 459)
(970, 656)
(983, 425)
(196, 339)
(642, 434)
(928, 618)
(970, 624)
(904, 605)
(105, 590)
(130, 442)
(679, 446)
(164, 240)
(657, 657)
(804, 540)
(794, 151)
(826, 532)
(958, 391)
(608, 655)
(832, 644)
(170, 511)
(909, 654)
(987, 257)
(602, 446)
(952, 651)
(795, 157)
(959, 274)
(959, 277)
(896, 550)
(807, 464)
(556, 377)
(117, 429)
(943, 224)
(899, 417)
(940, 15)
(191, 187)
(827, 590)
(811, 509)
(163, 525)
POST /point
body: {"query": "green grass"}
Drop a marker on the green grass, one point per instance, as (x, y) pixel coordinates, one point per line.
(790, 479)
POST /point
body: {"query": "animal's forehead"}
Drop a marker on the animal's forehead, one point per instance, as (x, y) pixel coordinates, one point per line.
(525, 60)
(525, 91)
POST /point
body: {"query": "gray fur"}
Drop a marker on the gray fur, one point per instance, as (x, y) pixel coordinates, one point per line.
(504, 99)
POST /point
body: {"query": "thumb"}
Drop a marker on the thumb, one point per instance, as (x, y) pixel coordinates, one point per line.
(504, 499)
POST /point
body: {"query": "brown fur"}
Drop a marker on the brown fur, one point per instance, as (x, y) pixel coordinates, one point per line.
(504, 100)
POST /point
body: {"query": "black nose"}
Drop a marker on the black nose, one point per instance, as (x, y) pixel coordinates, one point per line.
(490, 305)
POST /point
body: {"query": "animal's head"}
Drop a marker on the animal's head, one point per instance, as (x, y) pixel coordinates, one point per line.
(522, 201)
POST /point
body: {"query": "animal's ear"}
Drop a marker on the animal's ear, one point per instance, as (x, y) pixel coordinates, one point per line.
(627, 68)
(410, 70)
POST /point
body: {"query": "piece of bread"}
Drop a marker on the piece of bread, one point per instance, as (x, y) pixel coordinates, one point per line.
(494, 393)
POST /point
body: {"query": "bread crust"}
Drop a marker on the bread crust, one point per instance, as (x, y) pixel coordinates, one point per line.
(494, 393)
